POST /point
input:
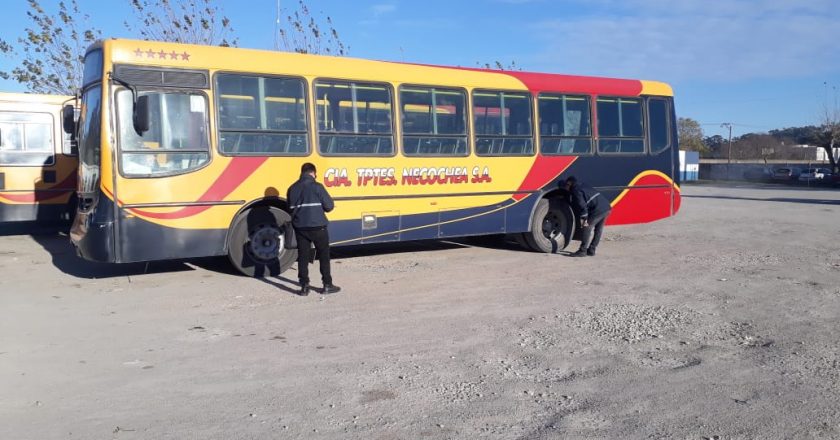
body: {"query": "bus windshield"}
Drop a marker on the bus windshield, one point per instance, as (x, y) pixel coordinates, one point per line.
(177, 139)
(89, 135)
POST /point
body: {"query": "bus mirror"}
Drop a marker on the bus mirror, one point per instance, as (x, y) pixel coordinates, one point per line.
(141, 115)
(68, 118)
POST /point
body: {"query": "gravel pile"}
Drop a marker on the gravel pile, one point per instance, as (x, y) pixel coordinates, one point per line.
(630, 322)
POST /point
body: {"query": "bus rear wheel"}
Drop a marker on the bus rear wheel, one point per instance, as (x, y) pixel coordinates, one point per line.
(552, 227)
(256, 243)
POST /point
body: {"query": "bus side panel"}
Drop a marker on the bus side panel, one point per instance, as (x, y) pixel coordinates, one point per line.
(419, 226)
(141, 240)
(93, 232)
(29, 213)
(518, 216)
(472, 221)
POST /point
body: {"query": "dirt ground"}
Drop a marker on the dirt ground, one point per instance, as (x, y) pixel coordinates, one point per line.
(720, 323)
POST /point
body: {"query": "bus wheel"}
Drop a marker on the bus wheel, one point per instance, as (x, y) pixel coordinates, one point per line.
(256, 243)
(552, 227)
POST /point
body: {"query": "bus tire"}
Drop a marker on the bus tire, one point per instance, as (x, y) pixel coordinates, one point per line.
(552, 226)
(256, 242)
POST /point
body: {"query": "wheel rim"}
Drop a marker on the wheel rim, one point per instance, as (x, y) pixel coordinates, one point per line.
(265, 243)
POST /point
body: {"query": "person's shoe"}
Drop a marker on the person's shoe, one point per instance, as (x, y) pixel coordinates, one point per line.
(304, 290)
(590, 252)
(330, 288)
(579, 253)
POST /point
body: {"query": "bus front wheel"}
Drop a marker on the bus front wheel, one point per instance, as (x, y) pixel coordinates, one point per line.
(552, 227)
(256, 243)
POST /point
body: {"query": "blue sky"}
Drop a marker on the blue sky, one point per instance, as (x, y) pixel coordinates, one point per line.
(759, 64)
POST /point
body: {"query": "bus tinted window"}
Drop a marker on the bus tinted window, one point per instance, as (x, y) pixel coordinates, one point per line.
(502, 123)
(620, 126)
(261, 115)
(658, 117)
(565, 124)
(354, 119)
(26, 138)
(177, 140)
(434, 121)
(93, 67)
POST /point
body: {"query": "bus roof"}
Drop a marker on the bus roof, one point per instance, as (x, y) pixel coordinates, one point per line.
(164, 54)
(34, 98)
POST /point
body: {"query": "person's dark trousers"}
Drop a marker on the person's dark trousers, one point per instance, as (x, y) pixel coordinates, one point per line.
(321, 239)
(589, 241)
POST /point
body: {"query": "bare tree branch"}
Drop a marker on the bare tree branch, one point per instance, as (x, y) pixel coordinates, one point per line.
(181, 21)
(302, 32)
(52, 50)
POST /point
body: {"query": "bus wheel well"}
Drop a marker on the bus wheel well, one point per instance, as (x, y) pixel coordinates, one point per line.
(256, 241)
(552, 224)
(269, 202)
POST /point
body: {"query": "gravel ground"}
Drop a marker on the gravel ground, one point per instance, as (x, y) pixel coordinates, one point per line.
(719, 323)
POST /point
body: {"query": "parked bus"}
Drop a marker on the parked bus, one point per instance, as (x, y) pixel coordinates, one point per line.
(38, 160)
(187, 151)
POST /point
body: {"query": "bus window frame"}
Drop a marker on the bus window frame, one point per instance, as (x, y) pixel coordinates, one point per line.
(467, 123)
(53, 153)
(592, 138)
(217, 116)
(118, 148)
(389, 86)
(644, 138)
(669, 129)
(533, 136)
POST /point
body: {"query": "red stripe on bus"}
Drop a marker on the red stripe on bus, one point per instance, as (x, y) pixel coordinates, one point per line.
(237, 171)
(553, 82)
(549, 82)
(68, 184)
(643, 205)
(542, 172)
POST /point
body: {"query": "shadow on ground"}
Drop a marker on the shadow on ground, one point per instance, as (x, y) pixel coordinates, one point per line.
(57, 245)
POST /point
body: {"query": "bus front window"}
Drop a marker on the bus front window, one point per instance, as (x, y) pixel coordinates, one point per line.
(177, 140)
(89, 145)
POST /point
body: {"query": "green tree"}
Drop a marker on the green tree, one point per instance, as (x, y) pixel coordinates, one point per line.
(181, 21)
(691, 135)
(302, 31)
(52, 49)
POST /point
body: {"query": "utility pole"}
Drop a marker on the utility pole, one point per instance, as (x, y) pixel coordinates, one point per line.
(729, 155)
(277, 28)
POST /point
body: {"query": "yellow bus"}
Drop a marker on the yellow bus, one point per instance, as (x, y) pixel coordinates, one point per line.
(37, 159)
(187, 151)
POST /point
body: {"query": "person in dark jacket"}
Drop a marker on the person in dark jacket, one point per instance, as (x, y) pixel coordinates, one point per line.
(592, 210)
(309, 201)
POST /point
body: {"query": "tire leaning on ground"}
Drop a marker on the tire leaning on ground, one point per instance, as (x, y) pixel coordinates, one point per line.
(552, 227)
(256, 240)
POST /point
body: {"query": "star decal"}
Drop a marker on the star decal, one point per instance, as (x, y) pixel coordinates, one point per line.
(185, 56)
(150, 53)
(138, 53)
(173, 55)
(162, 55)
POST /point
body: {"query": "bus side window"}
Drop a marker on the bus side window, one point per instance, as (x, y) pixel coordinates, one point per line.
(433, 121)
(502, 123)
(354, 119)
(620, 125)
(565, 124)
(26, 139)
(659, 128)
(261, 115)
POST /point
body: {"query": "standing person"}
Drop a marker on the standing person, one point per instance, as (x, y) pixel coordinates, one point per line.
(309, 202)
(592, 209)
